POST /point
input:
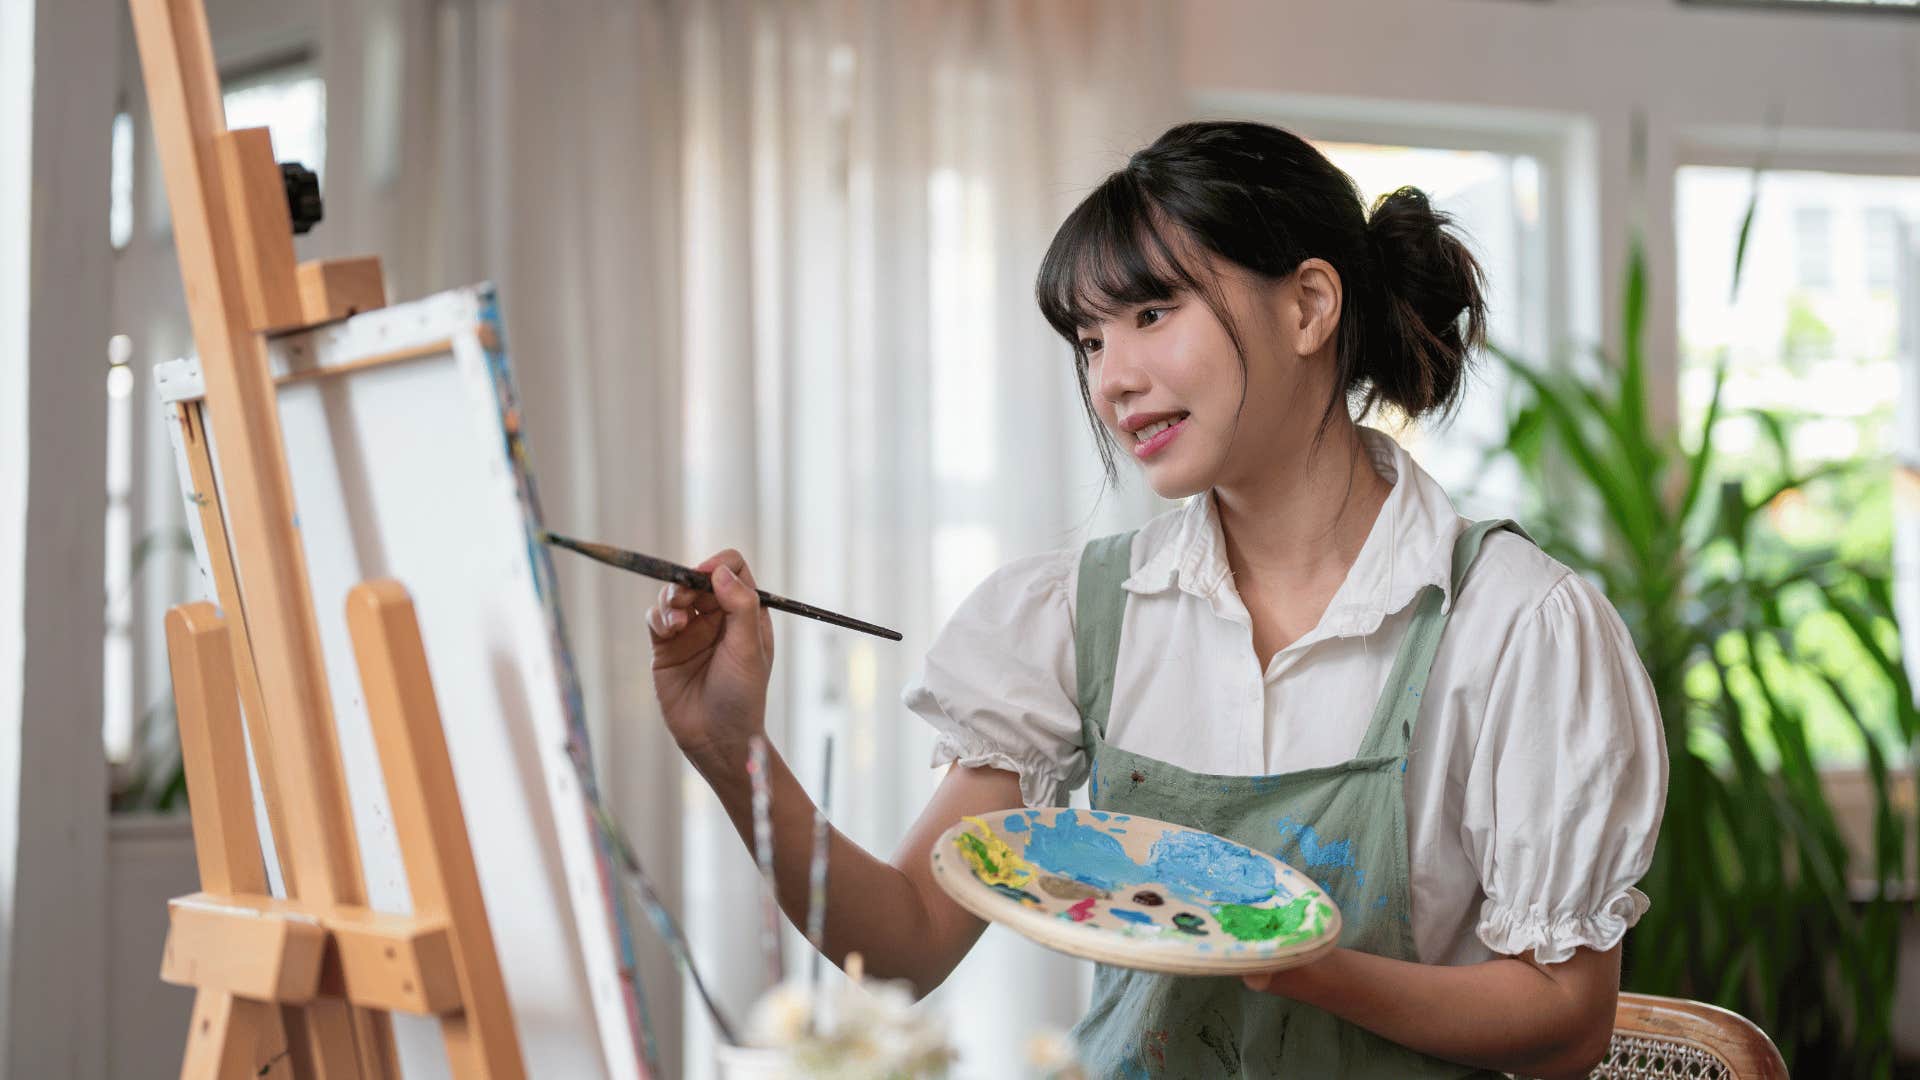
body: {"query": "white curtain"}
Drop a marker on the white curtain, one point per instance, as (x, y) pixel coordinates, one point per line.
(876, 413)
(767, 275)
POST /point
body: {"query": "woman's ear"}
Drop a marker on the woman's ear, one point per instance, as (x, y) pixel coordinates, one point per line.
(1315, 308)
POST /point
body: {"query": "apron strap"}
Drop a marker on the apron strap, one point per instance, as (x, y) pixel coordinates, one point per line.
(1391, 731)
(1104, 564)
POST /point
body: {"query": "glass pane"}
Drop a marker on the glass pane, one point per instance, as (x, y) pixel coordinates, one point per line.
(1813, 338)
(120, 185)
(290, 101)
(1495, 200)
(147, 565)
(118, 705)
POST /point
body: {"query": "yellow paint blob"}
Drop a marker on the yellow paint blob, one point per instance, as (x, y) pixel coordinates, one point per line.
(992, 860)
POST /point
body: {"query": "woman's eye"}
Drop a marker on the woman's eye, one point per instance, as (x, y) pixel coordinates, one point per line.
(1153, 315)
(1089, 346)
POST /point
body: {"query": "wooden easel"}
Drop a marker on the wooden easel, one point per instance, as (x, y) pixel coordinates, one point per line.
(296, 987)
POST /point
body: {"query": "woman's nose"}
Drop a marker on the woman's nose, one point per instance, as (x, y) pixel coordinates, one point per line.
(1120, 372)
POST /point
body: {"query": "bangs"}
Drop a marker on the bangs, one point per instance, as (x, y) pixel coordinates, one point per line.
(1112, 252)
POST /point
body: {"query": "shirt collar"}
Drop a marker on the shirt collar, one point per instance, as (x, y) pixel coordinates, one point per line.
(1409, 547)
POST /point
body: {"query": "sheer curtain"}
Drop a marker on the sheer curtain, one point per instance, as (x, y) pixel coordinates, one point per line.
(767, 272)
(876, 414)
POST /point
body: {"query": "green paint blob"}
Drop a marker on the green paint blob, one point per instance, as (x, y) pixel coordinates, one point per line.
(978, 853)
(1289, 923)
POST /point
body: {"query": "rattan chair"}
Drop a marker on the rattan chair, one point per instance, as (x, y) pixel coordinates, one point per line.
(1668, 1037)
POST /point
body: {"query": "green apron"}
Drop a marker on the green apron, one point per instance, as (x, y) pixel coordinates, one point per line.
(1343, 825)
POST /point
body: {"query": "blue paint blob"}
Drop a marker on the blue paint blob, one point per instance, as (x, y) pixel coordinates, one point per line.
(1265, 785)
(1082, 852)
(1316, 853)
(1207, 869)
(1014, 823)
(1139, 917)
(1196, 867)
(1012, 893)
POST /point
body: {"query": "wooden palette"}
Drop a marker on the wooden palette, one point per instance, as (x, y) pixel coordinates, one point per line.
(1135, 892)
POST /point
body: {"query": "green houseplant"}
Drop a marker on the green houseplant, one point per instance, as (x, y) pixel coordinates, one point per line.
(1758, 905)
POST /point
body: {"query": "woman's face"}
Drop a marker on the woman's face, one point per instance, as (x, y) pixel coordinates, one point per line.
(1168, 371)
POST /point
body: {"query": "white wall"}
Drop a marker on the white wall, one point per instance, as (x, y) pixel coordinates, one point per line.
(1706, 77)
(56, 96)
(149, 861)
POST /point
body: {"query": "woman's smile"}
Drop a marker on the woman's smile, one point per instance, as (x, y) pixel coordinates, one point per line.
(1153, 438)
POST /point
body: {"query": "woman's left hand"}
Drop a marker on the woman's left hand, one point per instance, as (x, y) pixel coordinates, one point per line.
(1509, 1014)
(1296, 982)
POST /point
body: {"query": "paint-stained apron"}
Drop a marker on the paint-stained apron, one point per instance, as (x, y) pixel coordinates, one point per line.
(1343, 825)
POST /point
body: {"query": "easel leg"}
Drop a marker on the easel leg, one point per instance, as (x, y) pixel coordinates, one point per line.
(481, 1041)
(325, 1044)
(213, 526)
(233, 1039)
(230, 1037)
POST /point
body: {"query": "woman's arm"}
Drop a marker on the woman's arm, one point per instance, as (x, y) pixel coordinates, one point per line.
(1510, 1014)
(903, 925)
(712, 654)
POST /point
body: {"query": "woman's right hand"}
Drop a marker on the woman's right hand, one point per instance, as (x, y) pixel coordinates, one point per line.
(712, 656)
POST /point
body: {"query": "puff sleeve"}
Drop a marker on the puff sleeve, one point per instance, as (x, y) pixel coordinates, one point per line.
(1568, 781)
(999, 685)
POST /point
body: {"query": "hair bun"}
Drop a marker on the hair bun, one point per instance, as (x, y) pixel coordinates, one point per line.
(1431, 288)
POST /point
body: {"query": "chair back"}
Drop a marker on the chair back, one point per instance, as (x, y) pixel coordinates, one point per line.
(1670, 1037)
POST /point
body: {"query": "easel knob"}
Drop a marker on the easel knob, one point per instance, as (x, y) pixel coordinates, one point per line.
(303, 196)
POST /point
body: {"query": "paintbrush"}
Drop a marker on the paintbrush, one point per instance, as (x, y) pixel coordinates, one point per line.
(662, 570)
(817, 871)
(762, 788)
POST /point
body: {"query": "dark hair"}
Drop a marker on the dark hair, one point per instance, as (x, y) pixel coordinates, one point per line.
(1266, 200)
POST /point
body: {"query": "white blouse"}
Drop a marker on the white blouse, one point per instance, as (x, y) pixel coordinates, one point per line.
(1538, 770)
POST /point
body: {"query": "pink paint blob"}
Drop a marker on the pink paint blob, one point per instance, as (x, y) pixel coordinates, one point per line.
(1081, 911)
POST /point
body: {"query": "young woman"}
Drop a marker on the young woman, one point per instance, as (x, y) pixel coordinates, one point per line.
(1314, 655)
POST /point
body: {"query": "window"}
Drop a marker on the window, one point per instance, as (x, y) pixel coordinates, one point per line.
(1816, 339)
(120, 186)
(144, 531)
(1882, 236)
(290, 101)
(1813, 246)
(1496, 203)
(120, 710)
